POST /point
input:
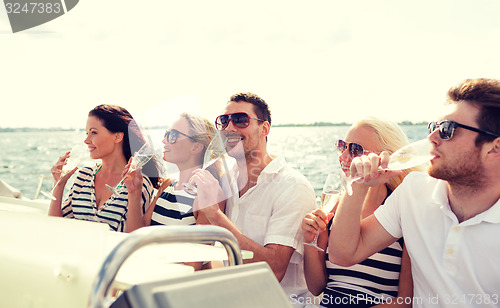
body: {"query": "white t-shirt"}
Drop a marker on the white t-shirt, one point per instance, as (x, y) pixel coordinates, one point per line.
(271, 213)
(453, 264)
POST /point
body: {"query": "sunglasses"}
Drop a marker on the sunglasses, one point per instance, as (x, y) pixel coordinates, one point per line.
(172, 134)
(355, 149)
(447, 128)
(240, 120)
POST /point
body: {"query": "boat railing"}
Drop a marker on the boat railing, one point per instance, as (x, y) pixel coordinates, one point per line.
(99, 297)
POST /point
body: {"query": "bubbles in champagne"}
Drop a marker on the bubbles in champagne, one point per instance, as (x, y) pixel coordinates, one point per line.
(329, 199)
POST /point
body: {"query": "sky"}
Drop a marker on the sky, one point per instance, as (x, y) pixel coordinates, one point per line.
(314, 61)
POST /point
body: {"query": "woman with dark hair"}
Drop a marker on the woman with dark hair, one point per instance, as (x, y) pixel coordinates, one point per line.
(112, 137)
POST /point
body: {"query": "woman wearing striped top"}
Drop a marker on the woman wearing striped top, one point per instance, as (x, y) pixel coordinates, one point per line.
(386, 274)
(185, 146)
(112, 137)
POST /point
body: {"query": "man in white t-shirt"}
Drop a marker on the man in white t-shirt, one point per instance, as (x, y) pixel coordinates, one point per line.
(450, 217)
(269, 200)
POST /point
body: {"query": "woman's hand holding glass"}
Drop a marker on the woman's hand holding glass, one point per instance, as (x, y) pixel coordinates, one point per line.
(133, 180)
(329, 197)
(65, 167)
(56, 169)
(315, 222)
(140, 158)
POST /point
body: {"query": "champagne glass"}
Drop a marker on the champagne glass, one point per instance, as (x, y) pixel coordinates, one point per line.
(140, 158)
(215, 149)
(329, 197)
(411, 155)
(77, 153)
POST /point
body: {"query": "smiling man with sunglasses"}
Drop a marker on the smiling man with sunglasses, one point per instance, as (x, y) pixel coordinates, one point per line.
(450, 217)
(273, 198)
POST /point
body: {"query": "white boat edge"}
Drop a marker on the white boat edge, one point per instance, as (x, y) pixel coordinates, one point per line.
(55, 262)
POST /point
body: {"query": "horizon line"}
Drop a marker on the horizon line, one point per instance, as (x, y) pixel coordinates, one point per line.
(33, 129)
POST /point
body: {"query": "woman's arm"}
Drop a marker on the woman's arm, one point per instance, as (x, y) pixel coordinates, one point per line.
(314, 259)
(55, 205)
(134, 183)
(149, 212)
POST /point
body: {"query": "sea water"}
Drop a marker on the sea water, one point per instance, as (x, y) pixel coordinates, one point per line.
(26, 157)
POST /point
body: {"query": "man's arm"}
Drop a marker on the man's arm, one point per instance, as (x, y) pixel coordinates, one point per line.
(352, 240)
(277, 256)
(289, 213)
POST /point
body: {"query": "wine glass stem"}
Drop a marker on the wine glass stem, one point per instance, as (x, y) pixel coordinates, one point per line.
(55, 185)
(121, 181)
(124, 177)
(315, 240)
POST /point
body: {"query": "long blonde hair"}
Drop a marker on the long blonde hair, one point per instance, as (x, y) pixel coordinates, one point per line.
(390, 138)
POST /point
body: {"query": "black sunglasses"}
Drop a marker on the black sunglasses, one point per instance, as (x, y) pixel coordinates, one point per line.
(240, 120)
(447, 128)
(172, 134)
(355, 149)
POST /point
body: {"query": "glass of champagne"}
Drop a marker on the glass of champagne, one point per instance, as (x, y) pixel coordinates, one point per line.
(409, 156)
(215, 149)
(140, 158)
(329, 197)
(77, 153)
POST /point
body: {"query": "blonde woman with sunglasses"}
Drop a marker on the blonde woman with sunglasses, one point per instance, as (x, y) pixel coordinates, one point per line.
(386, 274)
(185, 145)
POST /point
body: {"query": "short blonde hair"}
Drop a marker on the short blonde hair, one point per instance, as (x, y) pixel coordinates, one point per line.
(390, 138)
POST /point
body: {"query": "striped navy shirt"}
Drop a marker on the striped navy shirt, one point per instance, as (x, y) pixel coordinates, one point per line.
(375, 279)
(173, 207)
(81, 202)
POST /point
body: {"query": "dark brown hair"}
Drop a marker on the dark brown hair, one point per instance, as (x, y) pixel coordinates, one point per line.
(117, 119)
(485, 94)
(260, 106)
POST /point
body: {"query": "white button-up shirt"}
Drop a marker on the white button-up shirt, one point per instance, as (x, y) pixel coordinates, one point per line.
(271, 213)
